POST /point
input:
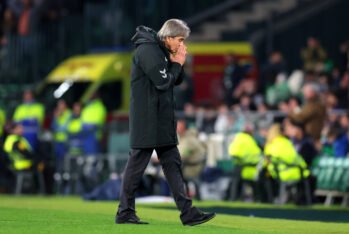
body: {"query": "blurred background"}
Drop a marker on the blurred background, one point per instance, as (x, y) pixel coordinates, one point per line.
(262, 114)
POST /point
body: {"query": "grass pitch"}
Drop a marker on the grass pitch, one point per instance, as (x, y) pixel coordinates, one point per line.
(28, 214)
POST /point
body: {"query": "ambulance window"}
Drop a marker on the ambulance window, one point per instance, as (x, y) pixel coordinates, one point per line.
(111, 94)
(73, 94)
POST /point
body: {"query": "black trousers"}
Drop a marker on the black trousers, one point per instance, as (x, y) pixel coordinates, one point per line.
(170, 161)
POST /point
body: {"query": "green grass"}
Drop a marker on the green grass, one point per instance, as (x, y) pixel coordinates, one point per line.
(72, 215)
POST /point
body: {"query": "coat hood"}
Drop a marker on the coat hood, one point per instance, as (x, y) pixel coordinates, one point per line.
(144, 35)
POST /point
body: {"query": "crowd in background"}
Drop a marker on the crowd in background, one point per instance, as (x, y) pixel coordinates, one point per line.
(24, 17)
(308, 105)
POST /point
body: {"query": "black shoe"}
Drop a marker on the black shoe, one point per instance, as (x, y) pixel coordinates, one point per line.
(133, 219)
(202, 218)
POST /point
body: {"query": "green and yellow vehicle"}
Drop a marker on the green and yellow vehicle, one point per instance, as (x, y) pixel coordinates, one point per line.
(77, 78)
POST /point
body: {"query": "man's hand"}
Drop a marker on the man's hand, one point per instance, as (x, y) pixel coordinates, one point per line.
(180, 55)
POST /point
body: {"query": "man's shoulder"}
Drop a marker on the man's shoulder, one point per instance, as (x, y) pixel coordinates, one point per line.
(147, 48)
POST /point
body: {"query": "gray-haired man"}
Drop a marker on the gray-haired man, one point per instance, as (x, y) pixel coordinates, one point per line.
(156, 68)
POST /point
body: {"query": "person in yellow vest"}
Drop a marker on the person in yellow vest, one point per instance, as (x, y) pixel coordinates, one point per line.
(2, 122)
(93, 117)
(249, 164)
(62, 116)
(246, 153)
(21, 155)
(285, 164)
(74, 131)
(30, 114)
(18, 149)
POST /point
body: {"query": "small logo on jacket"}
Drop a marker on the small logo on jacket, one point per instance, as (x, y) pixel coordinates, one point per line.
(163, 73)
(166, 60)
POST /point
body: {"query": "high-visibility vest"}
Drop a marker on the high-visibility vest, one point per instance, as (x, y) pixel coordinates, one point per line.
(74, 129)
(248, 154)
(19, 160)
(29, 111)
(60, 126)
(285, 161)
(2, 121)
(93, 116)
(94, 113)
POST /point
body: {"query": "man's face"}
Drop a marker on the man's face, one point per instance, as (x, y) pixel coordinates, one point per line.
(173, 43)
(18, 130)
(27, 96)
(308, 93)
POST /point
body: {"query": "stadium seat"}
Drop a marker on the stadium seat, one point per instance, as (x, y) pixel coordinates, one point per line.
(332, 179)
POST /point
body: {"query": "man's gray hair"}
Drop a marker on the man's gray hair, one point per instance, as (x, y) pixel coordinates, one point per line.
(174, 28)
(313, 86)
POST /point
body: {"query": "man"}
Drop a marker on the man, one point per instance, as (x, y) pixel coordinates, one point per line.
(74, 131)
(18, 149)
(93, 117)
(233, 74)
(193, 152)
(22, 157)
(156, 67)
(30, 114)
(313, 114)
(60, 122)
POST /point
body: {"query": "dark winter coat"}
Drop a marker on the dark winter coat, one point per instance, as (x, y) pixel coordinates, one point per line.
(153, 76)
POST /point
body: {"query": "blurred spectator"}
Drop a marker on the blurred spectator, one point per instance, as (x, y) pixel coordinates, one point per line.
(323, 81)
(313, 113)
(246, 103)
(184, 92)
(295, 81)
(344, 121)
(93, 117)
(233, 74)
(314, 56)
(193, 153)
(30, 114)
(283, 157)
(62, 116)
(74, 131)
(271, 69)
(310, 76)
(335, 79)
(331, 102)
(190, 115)
(343, 92)
(337, 137)
(279, 91)
(9, 23)
(245, 152)
(294, 104)
(7, 28)
(26, 18)
(246, 87)
(223, 120)
(206, 118)
(20, 153)
(248, 163)
(303, 144)
(263, 119)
